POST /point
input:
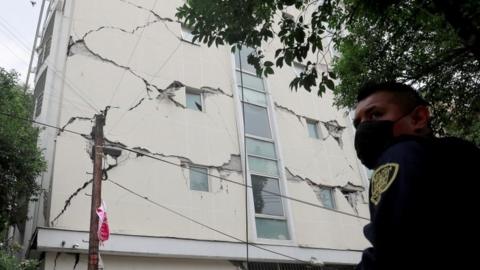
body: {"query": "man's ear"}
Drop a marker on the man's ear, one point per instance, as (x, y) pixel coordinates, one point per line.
(420, 118)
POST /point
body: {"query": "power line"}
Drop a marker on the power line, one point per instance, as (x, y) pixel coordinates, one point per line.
(14, 53)
(43, 124)
(130, 57)
(178, 213)
(76, 91)
(174, 164)
(237, 183)
(4, 24)
(203, 224)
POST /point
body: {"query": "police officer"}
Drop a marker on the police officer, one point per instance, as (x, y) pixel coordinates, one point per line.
(423, 193)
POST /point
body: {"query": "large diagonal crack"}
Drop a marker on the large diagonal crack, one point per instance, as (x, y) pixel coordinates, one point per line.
(332, 126)
(156, 15)
(138, 104)
(71, 120)
(148, 10)
(80, 47)
(211, 90)
(348, 188)
(316, 188)
(233, 164)
(119, 29)
(69, 200)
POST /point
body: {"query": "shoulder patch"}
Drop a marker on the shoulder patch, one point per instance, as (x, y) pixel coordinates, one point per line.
(382, 178)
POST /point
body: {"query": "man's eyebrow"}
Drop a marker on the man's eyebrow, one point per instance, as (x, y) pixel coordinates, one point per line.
(356, 121)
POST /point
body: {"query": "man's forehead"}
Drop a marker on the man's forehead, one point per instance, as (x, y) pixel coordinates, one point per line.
(376, 99)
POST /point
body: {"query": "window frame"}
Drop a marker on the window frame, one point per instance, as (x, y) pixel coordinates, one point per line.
(316, 125)
(238, 74)
(331, 191)
(189, 167)
(296, 66)
(186, 35)
(194, 91)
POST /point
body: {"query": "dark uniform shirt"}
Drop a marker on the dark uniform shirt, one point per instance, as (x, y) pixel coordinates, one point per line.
(424, 207)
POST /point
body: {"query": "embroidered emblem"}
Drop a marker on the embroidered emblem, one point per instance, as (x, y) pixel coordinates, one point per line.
(382, 178)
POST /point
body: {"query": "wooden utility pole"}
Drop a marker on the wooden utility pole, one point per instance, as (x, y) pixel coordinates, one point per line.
(97, 156)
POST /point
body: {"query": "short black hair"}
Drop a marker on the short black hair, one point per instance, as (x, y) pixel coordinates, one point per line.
(407, 96)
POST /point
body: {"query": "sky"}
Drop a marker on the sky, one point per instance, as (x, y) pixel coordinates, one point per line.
(18, 22)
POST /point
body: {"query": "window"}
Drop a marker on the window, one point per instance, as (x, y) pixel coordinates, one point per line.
(253, 97)
(194, 99)
(325, 195)
(198, 178)
(352, 198)
(260, 148)
(312, 126)
(264, 195)
(38, 92)
(272, 228)
(256, 121)
(46, 42)
(250, 81)
(270, 219)
(263, 166)
(187, 34)
(242, 60)
(298, 68)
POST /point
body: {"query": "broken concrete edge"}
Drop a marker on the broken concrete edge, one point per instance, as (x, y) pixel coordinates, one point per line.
(80, 46)
(348, 187)
(71, 120)
(233, 164)
(332, 126)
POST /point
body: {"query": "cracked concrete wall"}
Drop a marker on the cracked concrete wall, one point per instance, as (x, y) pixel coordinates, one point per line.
(127, 55)
(141, 72)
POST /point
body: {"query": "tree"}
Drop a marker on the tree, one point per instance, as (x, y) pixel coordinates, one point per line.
(20, 159)
(433, 45)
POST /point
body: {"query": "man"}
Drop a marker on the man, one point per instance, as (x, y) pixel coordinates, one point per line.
(423, 206)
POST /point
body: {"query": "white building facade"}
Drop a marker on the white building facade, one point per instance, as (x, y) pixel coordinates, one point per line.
(214, 165)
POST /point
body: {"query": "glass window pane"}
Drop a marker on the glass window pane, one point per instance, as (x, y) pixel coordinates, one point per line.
(299, 68)
(326, 197)
(264, 201)
(243, 54)
(194, 101)
(250, 81)
(253, 96)
(198, 179)
(263, 166)
(260, 148)
(312, 129)
(256, 121)
(187, 33)
(272, 228)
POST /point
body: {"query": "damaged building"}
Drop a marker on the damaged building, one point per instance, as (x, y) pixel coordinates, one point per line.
(207, 165)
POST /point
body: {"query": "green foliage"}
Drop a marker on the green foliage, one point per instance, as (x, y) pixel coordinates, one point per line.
(10, 262)
(20, 159)
(407, 42)
(432, 44)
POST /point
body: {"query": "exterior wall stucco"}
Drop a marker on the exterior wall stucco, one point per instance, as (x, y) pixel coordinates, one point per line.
(67, 262)
(129, 56)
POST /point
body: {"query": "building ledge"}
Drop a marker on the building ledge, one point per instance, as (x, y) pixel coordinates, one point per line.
(62, 240)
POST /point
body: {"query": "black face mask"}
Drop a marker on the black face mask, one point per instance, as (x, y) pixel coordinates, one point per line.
(373, 138)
